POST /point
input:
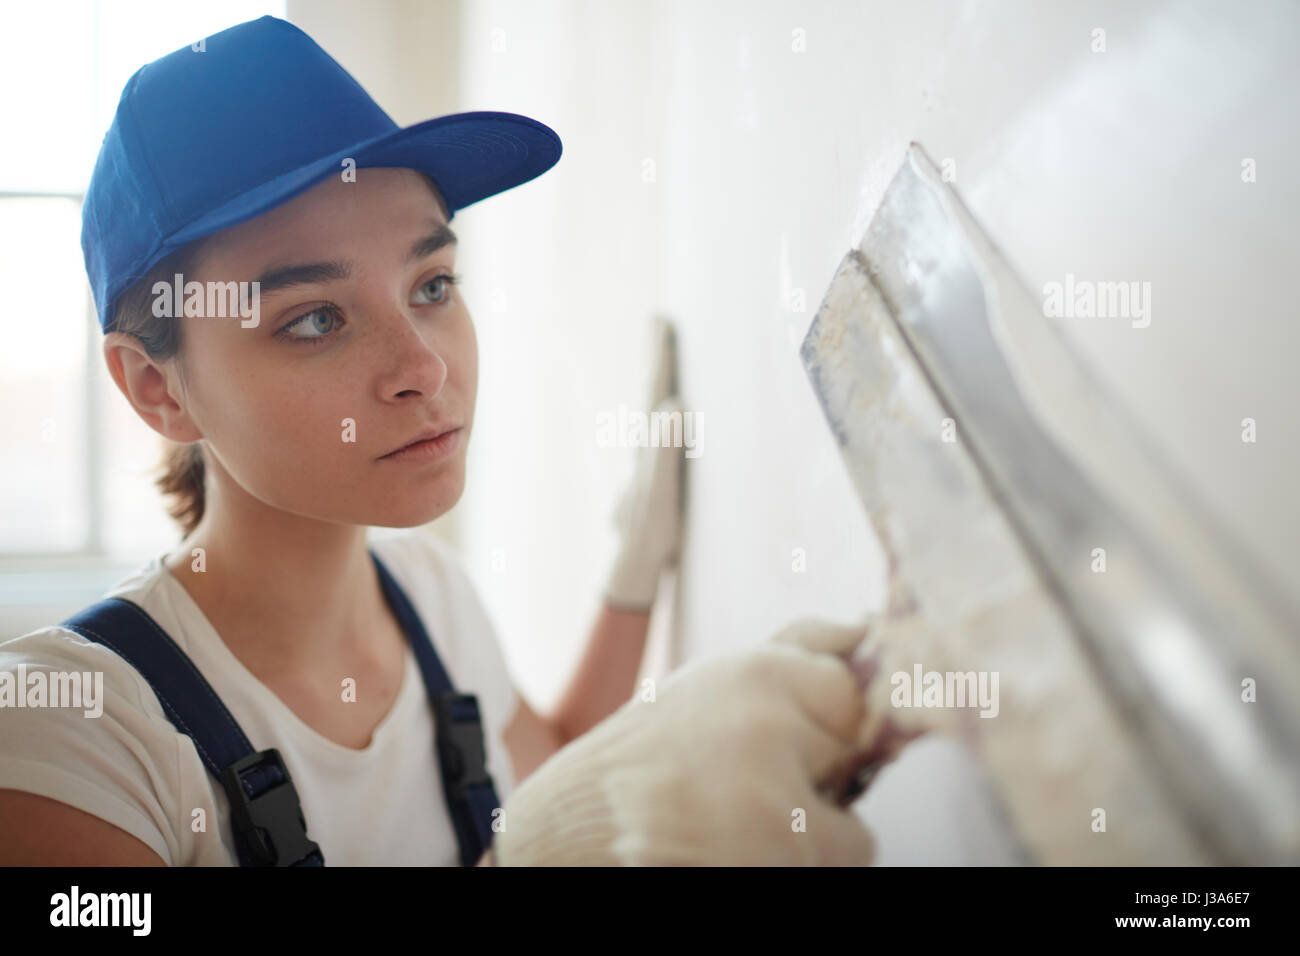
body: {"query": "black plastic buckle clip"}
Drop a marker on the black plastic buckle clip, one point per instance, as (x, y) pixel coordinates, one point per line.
(271, 823)
(461, 753)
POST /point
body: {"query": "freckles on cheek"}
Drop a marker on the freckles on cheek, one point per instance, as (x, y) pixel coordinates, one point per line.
(315, 426)
(286, 435)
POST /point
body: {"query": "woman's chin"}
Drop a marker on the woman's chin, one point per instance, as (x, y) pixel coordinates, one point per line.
(419, 509)
(388, 521)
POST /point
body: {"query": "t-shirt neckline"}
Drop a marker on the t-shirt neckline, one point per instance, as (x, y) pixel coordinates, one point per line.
(267, 698)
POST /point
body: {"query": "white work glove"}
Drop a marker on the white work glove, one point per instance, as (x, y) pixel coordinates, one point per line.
(715, 771)
(649, 513)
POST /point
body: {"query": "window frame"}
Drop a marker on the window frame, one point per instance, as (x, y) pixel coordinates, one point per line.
(91, 555)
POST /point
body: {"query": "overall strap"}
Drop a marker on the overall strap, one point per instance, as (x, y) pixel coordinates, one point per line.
(268, 823)
(467, 786)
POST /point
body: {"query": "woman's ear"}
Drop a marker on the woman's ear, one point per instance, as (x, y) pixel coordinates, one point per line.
(153, 388)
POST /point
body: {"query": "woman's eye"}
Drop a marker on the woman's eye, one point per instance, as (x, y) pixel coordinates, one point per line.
(438, 289)
(316, 324)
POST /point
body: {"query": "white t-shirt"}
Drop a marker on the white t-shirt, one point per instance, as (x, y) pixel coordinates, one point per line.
(130, 766)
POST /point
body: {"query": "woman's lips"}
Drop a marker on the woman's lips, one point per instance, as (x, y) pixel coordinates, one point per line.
(431, 449)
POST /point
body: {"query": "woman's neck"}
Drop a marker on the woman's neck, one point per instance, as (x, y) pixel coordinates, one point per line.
(282, 590)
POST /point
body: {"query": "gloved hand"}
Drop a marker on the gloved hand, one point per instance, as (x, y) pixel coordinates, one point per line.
(714, 771)
(881, 737)
(648, 515)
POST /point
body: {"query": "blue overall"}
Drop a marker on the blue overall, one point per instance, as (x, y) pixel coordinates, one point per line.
(266, 817)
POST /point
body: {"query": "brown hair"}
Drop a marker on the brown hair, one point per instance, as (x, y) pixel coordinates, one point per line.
(182, 471)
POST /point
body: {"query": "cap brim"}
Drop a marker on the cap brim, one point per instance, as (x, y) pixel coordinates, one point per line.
(471, 156)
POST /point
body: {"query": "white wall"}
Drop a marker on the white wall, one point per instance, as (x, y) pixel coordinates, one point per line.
(1115, 165)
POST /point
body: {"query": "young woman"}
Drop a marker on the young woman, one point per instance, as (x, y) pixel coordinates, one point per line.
(274, 269)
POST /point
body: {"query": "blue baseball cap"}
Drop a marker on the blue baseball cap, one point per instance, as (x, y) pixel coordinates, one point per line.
(204, 139)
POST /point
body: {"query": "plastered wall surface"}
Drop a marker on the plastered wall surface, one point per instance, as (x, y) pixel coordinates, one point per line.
(720, 159)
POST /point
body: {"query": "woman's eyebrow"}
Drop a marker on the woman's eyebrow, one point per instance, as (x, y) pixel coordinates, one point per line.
(307, 273)
(440, 237)
(312, 273)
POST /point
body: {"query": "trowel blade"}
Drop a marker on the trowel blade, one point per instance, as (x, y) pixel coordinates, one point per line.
(936, 368)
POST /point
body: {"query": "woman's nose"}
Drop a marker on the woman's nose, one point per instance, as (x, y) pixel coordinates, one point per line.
(410, 361)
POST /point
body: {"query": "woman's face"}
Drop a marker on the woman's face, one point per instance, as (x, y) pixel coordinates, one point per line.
(362, 345)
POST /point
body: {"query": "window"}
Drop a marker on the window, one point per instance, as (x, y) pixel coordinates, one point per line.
(77, 486)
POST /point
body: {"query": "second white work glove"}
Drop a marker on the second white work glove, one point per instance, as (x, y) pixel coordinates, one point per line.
(723, 767)
(648, 515)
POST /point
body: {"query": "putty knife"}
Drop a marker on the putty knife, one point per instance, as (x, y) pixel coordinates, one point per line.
(996, 473)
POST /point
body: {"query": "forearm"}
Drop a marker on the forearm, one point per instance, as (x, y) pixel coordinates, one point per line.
(649, 520)
(606, 675)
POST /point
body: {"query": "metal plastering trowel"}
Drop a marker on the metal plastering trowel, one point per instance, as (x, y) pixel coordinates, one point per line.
(1149, 686)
